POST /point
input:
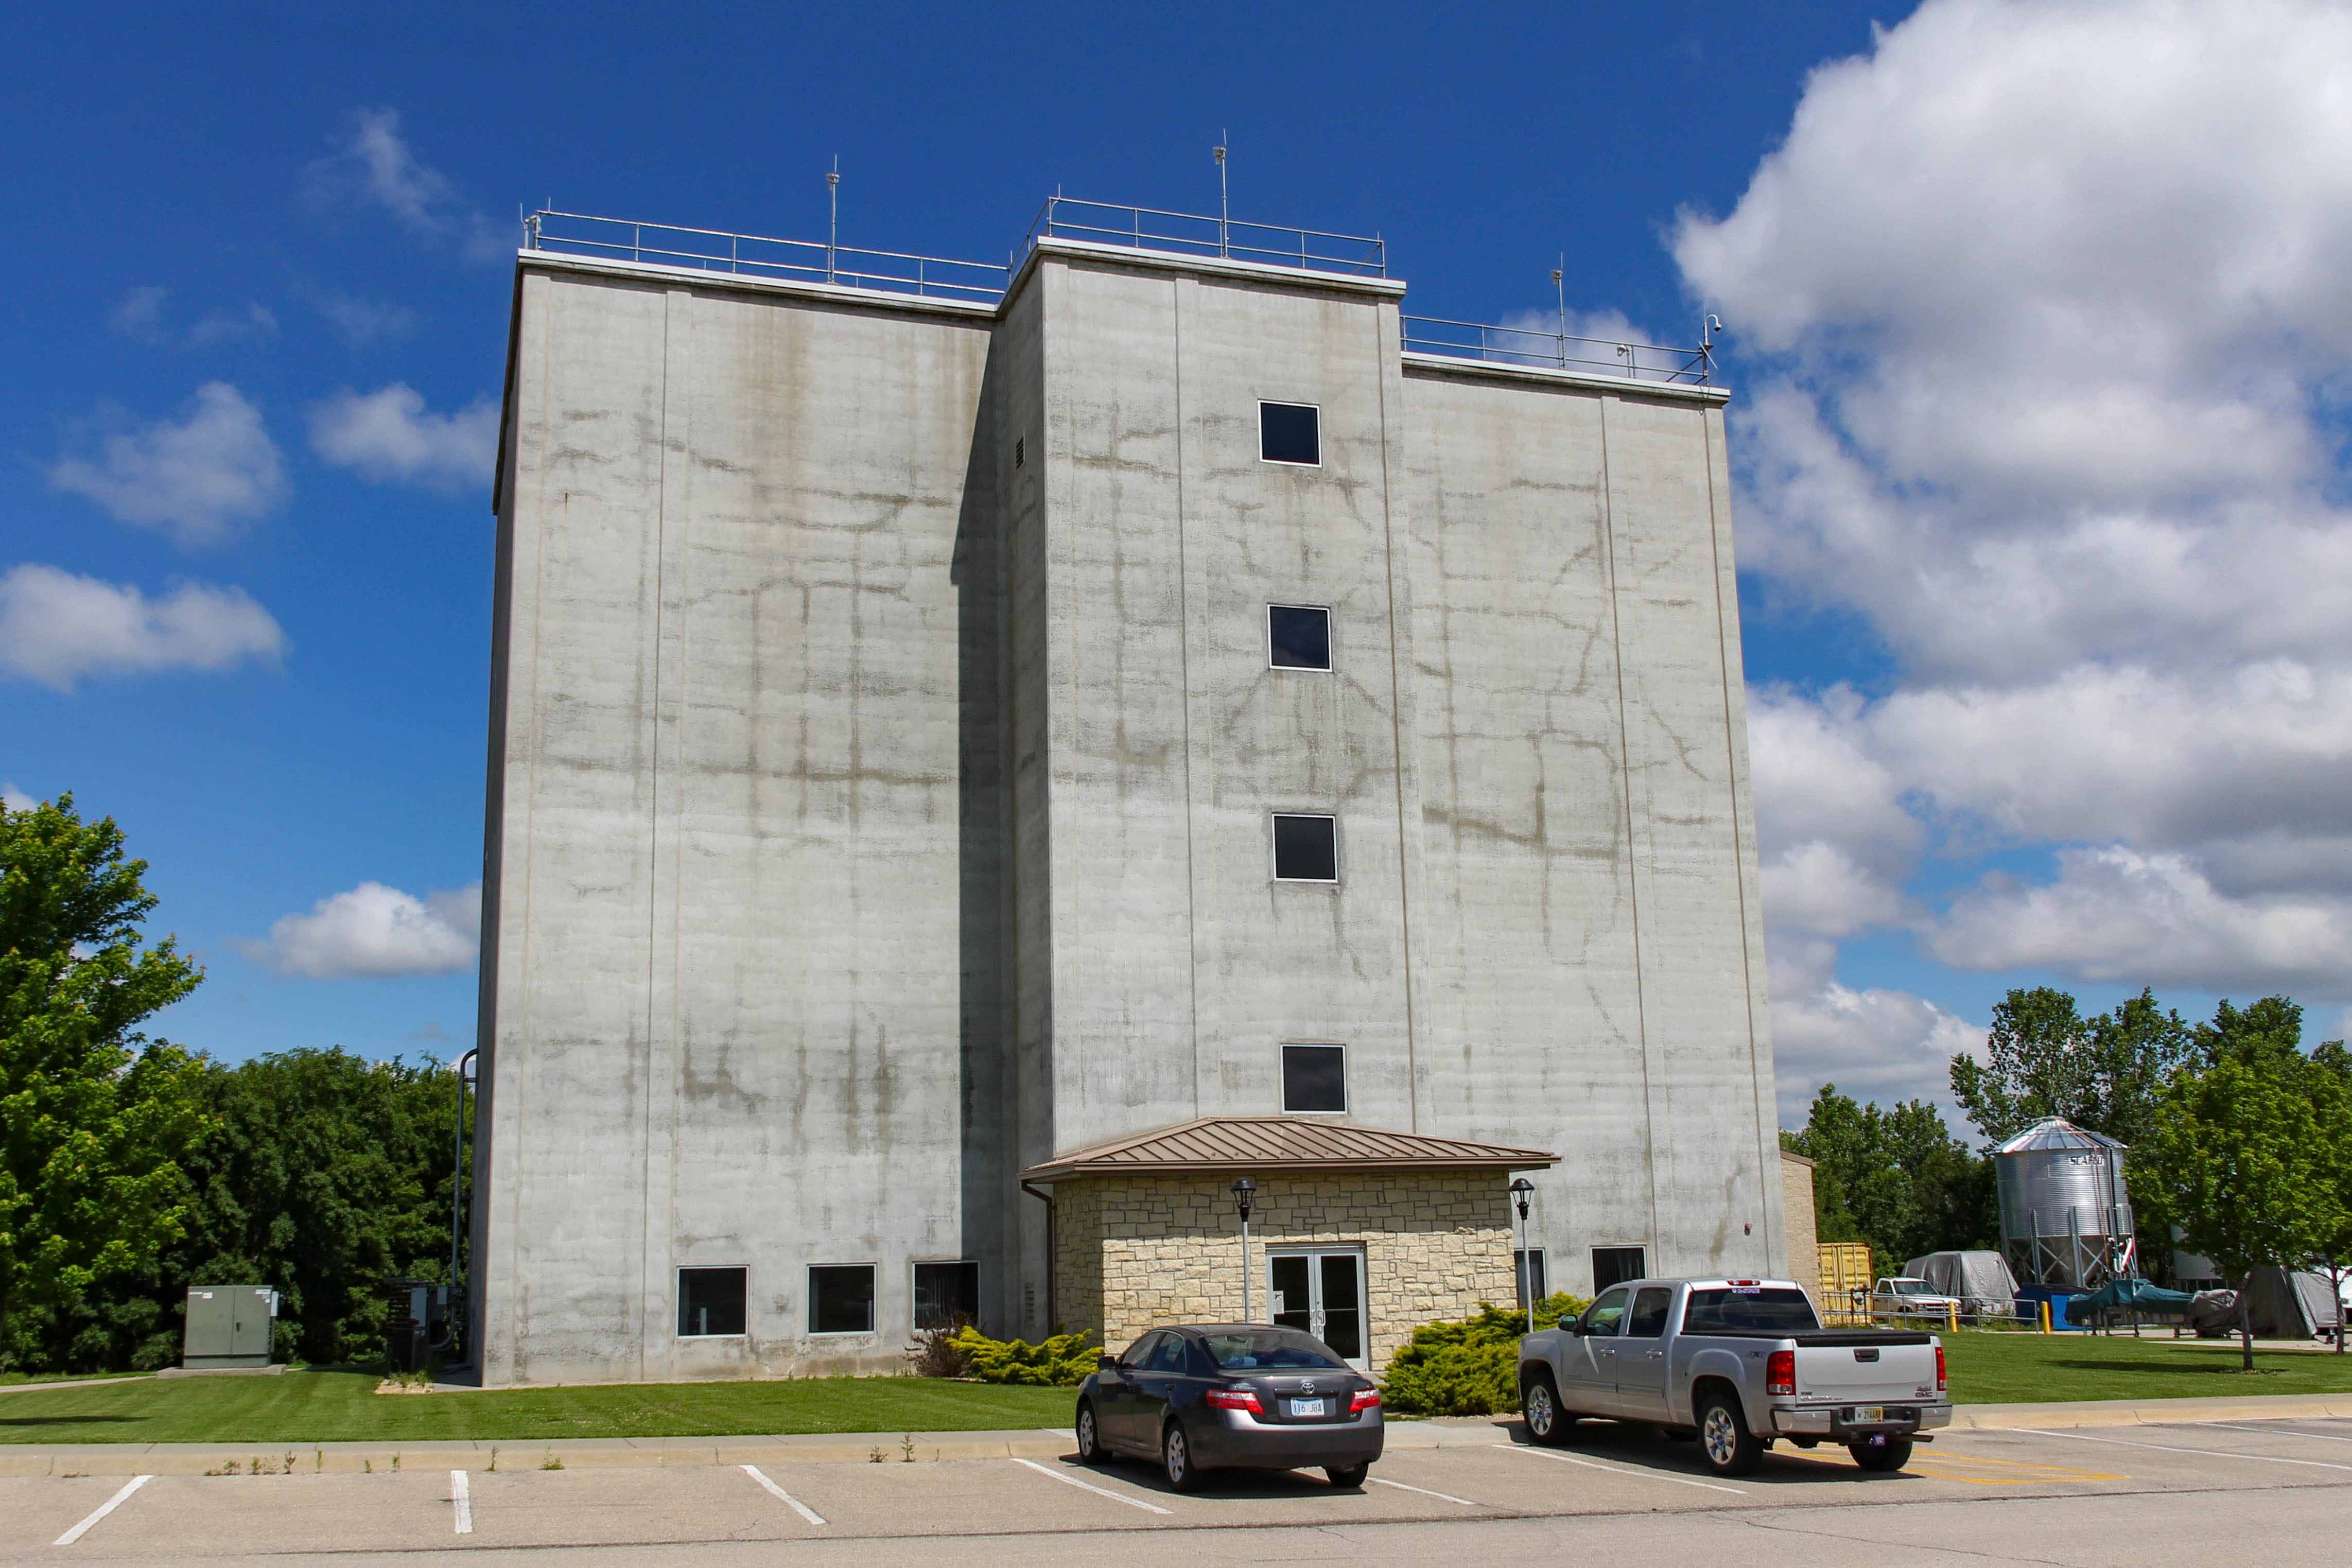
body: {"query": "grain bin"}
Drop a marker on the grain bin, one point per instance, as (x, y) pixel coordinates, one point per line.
(2066, 1219)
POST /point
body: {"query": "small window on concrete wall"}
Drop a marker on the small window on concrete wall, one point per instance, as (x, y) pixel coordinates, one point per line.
(710, 1303)
(1306, 848)
(1298, 636)
(1290, 433)
(1315, 1079)
(1615, 1265)
(841, 1299)
(946, 1294)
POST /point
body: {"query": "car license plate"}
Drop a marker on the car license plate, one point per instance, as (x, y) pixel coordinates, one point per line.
(1308, 1408)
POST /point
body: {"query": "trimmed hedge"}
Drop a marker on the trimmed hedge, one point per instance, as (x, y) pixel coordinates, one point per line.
(1059, 1361)
(1470, 1367)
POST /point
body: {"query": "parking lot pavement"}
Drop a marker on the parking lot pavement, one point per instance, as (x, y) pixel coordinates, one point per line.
(1422, 1499)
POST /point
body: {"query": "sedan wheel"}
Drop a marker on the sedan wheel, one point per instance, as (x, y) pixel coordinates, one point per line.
(1090, 1448)
(1176, 1457)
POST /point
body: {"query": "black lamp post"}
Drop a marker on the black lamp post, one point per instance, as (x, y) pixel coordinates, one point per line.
(1243, 1191)
(1522, 1191)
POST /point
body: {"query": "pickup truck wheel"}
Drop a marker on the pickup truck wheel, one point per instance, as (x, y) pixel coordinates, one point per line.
(1547, 1423)
(1723, 1440)
(1891, 1454)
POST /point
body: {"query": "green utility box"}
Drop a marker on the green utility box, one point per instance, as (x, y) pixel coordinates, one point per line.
(228, 1327)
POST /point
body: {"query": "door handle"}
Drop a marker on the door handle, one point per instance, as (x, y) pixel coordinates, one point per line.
(1658, 1355)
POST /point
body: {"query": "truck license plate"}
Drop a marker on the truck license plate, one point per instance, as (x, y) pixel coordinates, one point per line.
(1307, 1408)
(1866, 1413)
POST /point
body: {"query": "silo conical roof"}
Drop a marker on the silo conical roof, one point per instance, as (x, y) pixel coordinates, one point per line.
(2056, 1132)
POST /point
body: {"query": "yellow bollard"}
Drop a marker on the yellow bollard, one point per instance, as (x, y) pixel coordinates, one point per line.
(2045, 1316)
(1952, 1315)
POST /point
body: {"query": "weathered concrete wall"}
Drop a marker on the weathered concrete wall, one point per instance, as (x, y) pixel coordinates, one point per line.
(1584, 974)
(1804, 1264)
(1139, 1252)
(734, 1024)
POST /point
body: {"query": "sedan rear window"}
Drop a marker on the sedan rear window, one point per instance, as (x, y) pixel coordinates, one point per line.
(1749, 1309)
(1247, 1350)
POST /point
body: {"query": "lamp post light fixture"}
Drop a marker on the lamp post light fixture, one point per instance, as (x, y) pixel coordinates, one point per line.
(1522, 1191)
(1243, 1191)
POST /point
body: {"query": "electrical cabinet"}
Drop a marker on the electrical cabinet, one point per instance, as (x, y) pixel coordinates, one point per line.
(228, 1327)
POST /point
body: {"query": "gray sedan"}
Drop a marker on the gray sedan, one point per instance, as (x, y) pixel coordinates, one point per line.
(1231, 1395)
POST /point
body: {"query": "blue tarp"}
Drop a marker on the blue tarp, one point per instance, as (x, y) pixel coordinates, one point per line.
(2126, 1299)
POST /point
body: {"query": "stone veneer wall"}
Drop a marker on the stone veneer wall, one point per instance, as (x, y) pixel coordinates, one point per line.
(1804, 1253)
(1133, 1252)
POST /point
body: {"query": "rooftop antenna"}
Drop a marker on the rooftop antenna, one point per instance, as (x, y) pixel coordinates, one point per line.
(833, 235)
(1558, 273)
(1225, 210)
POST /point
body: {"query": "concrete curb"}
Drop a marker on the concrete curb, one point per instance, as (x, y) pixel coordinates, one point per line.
(932, 1447)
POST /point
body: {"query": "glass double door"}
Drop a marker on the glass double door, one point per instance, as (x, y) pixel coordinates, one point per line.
(1320, 1290)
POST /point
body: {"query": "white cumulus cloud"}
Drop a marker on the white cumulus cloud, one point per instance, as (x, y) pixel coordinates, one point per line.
(1873, 1043)
(195, 478)
(14, 798)
(389, 433)
(58, 628)
(375, 931)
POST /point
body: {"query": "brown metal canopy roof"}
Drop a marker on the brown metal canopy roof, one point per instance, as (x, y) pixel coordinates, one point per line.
(1280, 1143)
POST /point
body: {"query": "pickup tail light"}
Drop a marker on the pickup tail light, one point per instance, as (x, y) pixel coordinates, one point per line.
(1940, 1383)
(1366, 1399)
(1236, 1399)
(1780, 1374)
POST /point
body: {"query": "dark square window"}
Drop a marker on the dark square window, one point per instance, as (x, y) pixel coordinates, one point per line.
(1529, 1264)
(1614, 1266)
(710, 1302)
(1290, 433)
(1314, 1078)
(841, 1299)
(1300, 636)
(1307, 848)
(946, 1294)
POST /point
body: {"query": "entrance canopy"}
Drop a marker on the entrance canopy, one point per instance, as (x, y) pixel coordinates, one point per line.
(1258, 1144)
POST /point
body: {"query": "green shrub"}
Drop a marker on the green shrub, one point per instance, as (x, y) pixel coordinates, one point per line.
(1470, 1367)
(1059, 1361)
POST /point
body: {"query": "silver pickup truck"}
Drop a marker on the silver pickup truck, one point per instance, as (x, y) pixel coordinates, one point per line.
(1738, 1363)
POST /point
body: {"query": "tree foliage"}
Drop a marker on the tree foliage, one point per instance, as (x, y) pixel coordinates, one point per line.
(94, 1117)
(2106, 1073)
(1896, 1179)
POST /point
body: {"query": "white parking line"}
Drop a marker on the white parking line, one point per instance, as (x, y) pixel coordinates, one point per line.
(1441, 1497)
(464, 1498)
(2277, 1431)
(109, 1506)
(2200, 1453)
(1090, 1486)
(1617, 1469)
(789, 1501)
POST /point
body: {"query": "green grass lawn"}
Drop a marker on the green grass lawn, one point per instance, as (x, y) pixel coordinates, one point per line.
(334, 1406)
(2018, 1369)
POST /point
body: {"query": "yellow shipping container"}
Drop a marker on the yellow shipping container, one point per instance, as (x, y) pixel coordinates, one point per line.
(1846, 1280)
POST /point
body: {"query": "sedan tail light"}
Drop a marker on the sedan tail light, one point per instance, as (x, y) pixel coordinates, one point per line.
(1780, 1372)
(1940, 1383)
(1366, 1399)
(1236, 1399)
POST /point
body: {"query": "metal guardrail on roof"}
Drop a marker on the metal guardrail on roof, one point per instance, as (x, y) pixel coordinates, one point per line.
(1558, 351)
(804, 260)
(1101, 223)
(1196, 234)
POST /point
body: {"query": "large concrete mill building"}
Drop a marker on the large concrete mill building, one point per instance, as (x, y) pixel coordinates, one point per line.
(981, 760)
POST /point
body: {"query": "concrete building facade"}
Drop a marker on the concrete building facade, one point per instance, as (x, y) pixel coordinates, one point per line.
(889, 726)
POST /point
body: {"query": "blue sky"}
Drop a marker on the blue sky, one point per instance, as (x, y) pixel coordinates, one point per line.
(260, 291)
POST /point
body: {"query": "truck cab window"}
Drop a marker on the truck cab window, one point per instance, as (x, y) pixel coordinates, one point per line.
(1647, 1320)
(1607, 1315)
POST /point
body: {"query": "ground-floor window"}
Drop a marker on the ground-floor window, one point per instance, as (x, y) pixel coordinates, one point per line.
(946, 1294)
(710, 1302)
(841, 1299)
(1529, 1264)
(1615, 1265)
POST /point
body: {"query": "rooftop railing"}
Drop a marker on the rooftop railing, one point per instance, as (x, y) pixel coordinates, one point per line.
(1141, 228)
(1195, 234)
(1558, 351)
(804, 260)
